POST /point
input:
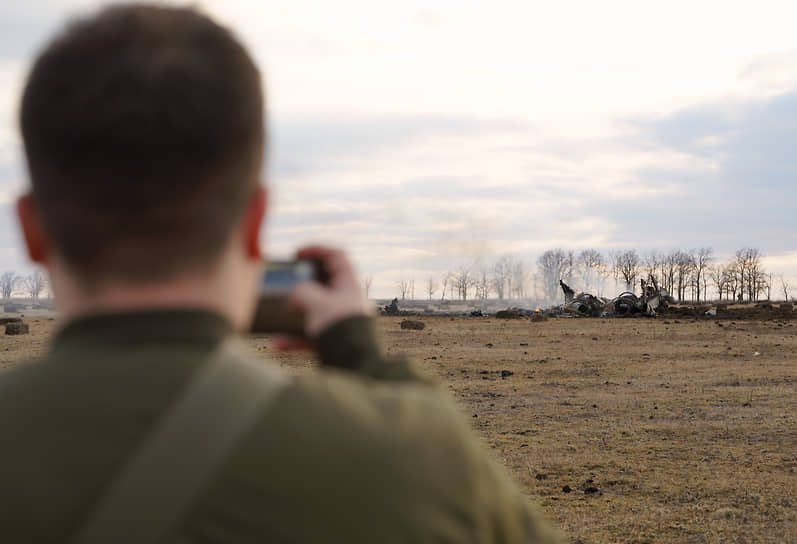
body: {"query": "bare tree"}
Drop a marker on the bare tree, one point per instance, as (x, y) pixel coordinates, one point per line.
(590, 261)
(569, 266)
(604, 272)
(748, 266)
(510, 282)
(483, 284)
(651, 262)
(612, 260)
(502, 271)
(628, 265)
(367, 284)
(554, 265)
(726, 279)
(8, 282)
(784, 284)
(404, 289)
(431, 287)
(741, 260)
(463, 281)
(520, 277)
(702, 262)
(35, 283)
(444, 283)
(412, 289)
(757, 273)
(684, 265)
(669, 266)
(733, 275)
(760, 285)
(719, 278)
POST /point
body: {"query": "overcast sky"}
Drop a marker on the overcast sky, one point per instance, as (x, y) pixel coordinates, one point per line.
(423, 135)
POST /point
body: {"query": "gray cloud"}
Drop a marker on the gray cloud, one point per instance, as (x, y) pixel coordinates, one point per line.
(750, 196)
(302, 143)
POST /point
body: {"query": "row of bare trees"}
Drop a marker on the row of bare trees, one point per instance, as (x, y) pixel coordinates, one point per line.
(589, 267)
(687, 275)
(32, 285)
(744, 278)
(507, 278)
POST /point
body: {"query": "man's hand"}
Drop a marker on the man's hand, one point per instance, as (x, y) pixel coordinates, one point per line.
(342, 297)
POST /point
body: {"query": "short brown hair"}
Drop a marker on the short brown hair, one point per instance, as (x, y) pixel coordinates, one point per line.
(143, 131)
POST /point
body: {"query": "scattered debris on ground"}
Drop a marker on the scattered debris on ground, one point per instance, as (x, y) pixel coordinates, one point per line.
(392, 308)
(7, 320)
(626, 303)
(17, 327)
(413, 325)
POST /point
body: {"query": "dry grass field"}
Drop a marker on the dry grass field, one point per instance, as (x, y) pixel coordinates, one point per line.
(667, 430)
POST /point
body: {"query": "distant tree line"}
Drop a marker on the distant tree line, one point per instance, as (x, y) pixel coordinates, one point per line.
(32, 285)
(507, 278)
(685, 274)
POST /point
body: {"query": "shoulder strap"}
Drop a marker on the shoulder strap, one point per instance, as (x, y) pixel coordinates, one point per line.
(177, 460)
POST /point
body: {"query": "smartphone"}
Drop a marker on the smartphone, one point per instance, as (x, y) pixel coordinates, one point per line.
(273, 313)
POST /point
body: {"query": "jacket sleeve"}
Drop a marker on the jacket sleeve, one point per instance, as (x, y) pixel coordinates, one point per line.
(457, 492)
(352, 344)
(477, 486)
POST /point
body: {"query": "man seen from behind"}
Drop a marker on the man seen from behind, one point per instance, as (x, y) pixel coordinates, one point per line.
(143, 129)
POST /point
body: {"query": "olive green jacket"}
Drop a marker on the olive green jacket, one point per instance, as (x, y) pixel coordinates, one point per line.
(367, 451)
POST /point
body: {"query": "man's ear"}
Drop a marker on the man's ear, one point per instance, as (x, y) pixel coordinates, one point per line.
(252, 221)
(32, 229)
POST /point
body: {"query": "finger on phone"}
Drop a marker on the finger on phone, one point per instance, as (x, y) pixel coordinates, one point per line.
(335, 260)
(285, 342)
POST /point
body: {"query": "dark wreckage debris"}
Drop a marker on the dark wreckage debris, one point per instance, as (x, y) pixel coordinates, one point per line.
(626, 303)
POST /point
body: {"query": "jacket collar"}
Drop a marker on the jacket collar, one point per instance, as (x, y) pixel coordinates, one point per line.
(145, 326)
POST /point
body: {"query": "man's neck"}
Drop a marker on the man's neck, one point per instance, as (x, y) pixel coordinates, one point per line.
(220, 291)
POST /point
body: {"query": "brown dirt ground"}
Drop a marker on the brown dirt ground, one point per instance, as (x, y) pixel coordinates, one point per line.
(667, 430)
